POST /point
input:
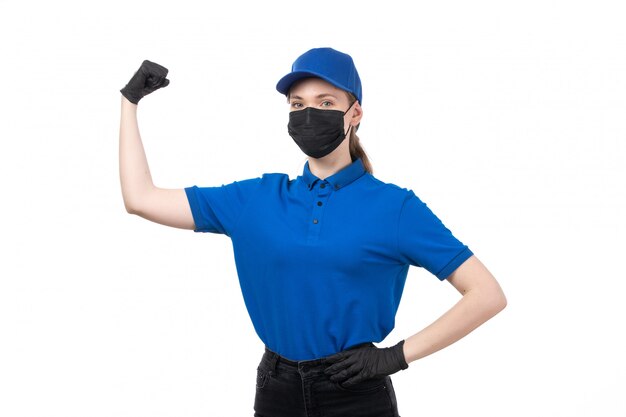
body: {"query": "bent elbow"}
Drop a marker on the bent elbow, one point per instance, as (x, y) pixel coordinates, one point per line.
(503, 302)
(497, 303)
(130, 206)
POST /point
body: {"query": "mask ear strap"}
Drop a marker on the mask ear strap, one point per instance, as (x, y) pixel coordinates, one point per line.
(344, 113)
(346, 134)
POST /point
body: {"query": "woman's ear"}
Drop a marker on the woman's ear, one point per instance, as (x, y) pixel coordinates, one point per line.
(357, 114)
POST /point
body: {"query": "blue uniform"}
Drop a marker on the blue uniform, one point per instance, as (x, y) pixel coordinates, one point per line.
(322, 263)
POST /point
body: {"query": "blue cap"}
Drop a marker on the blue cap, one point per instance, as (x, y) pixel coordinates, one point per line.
(328, 64)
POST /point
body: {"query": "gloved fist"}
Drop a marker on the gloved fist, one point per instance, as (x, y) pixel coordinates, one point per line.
(149, 77)
(353, 366)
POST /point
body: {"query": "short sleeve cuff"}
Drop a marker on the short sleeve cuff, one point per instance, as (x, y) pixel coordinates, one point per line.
(195, 208)
(454, 263)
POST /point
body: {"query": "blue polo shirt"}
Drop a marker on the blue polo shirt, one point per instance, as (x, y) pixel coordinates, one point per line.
(322, 263)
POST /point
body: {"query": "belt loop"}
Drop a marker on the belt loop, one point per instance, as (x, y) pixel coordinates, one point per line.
(273, 362)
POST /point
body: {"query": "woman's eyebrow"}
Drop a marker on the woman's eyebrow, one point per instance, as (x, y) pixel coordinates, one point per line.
(323, 95)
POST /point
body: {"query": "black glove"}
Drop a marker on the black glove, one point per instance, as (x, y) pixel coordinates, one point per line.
(149, 77)
(353, 366)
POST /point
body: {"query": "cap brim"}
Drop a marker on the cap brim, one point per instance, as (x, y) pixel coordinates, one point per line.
(285, 83)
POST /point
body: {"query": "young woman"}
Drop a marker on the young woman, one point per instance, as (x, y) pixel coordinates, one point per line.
(322, 259)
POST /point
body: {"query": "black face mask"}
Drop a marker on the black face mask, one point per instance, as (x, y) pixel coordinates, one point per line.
(317, 132)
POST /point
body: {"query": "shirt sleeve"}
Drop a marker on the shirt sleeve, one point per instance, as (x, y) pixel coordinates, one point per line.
(217, 209)
(424, 241)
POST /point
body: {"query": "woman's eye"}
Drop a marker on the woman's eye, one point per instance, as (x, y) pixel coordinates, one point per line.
(296, 105)
(326, 104)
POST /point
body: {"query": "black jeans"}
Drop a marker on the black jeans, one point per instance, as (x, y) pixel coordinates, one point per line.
(286, 388)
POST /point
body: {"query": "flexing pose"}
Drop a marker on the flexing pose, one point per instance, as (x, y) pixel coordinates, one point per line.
(322, 259)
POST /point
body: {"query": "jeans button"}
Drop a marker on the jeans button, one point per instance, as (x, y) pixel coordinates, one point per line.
(305, 368)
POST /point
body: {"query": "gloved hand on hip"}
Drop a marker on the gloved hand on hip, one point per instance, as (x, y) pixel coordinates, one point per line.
(355, 365)
(149, 77)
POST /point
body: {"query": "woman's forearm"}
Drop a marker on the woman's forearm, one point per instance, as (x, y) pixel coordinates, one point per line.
(135, 175)
(475, 308)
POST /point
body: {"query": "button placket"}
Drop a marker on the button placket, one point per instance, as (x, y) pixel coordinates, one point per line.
(323, 190)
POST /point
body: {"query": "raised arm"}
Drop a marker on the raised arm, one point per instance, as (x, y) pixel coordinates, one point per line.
(169, 207)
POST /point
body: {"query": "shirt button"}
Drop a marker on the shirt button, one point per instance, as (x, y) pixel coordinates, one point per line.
(315, 221)
(337, 187)
(322, 185)
(319, 203)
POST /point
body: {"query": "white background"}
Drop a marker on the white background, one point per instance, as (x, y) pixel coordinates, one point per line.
(506, 118)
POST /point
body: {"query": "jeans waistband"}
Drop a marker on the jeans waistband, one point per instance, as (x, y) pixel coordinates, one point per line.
(275, 359)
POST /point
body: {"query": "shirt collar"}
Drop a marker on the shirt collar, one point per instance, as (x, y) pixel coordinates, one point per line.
(339, 179)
